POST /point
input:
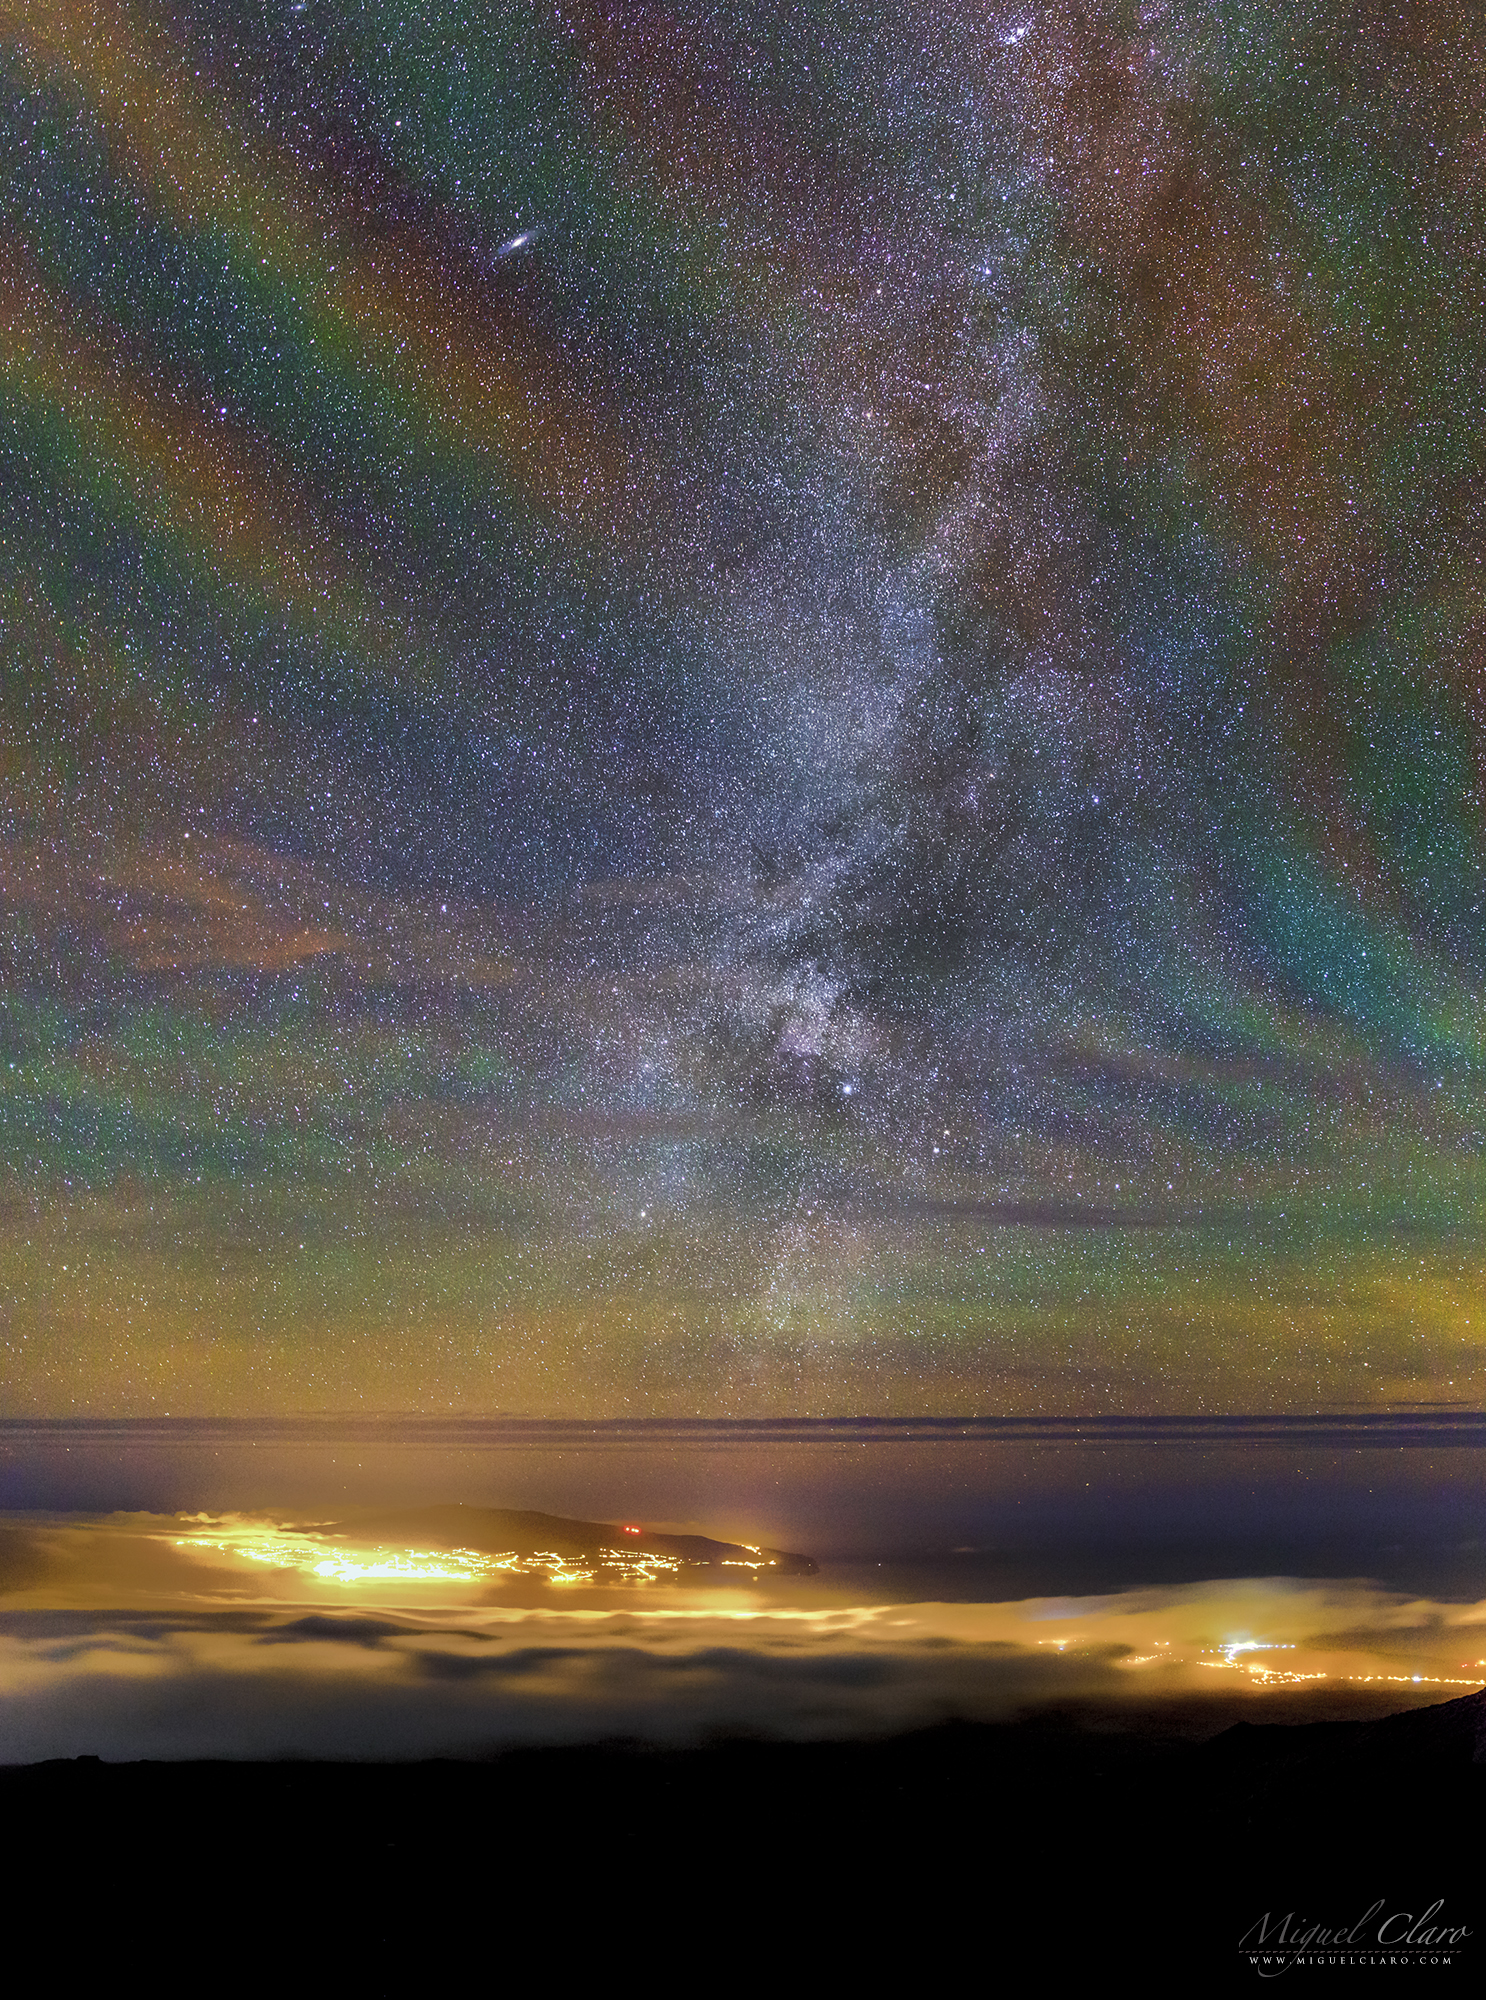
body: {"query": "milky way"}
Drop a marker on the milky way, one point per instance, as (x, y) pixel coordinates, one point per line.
(738, 709)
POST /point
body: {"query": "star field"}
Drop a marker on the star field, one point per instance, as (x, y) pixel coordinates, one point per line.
(741, 709)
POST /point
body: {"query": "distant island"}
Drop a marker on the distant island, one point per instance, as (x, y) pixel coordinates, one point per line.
(605, 1551)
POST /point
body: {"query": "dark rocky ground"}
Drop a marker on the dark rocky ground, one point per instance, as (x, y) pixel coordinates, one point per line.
(1007, 1857)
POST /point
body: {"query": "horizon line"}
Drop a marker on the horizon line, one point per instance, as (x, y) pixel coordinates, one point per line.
(1418, 1424)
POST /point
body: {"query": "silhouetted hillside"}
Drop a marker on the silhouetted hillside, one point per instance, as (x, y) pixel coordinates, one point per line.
(1086, 1847)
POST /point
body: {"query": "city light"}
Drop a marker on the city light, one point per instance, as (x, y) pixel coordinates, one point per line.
(335, 1560)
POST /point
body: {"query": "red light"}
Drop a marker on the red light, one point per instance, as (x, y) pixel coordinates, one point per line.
(632, 1531)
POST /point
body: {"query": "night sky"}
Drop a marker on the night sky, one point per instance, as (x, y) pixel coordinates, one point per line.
(731, 710)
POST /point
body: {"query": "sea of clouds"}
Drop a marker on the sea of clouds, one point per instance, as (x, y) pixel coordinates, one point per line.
(120, 1639)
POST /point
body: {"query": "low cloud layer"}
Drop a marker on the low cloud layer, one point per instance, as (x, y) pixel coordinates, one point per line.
(118, 1640)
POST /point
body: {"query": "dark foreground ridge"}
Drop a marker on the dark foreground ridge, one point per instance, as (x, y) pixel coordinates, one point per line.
(1086, 1849)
